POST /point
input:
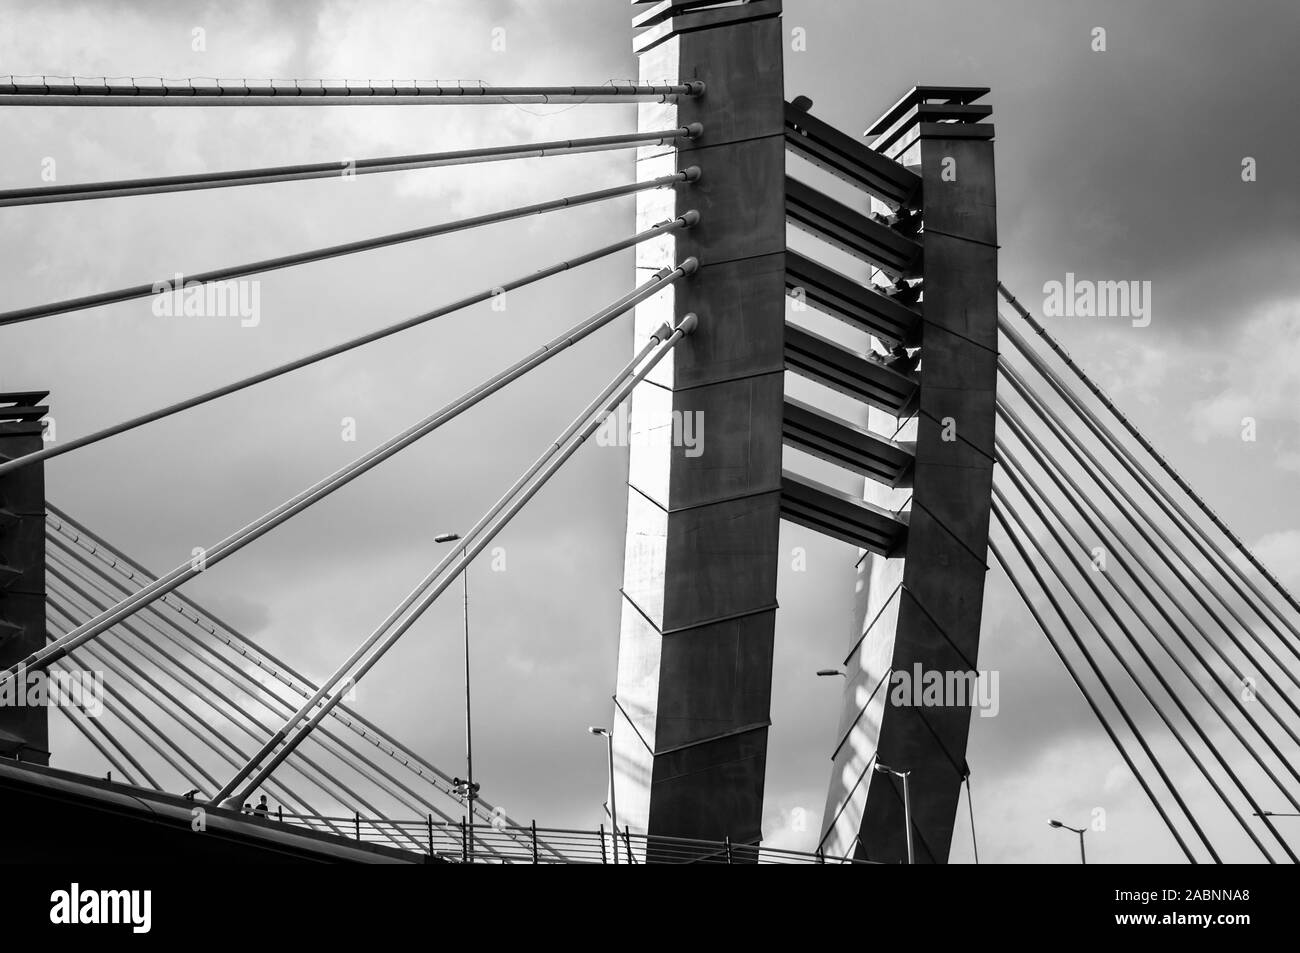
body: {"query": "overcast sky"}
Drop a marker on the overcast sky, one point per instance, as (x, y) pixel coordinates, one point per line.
(1121, 165)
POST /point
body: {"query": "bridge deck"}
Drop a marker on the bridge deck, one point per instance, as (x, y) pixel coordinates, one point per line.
(67, 816)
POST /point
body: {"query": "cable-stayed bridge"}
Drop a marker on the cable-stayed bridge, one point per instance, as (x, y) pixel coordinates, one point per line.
(979, 443)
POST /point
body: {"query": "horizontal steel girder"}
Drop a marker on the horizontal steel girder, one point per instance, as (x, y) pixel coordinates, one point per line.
(857, 305)
(847, 445)
(849, 159)
(850, 230)
(822, 360)
(827, 510)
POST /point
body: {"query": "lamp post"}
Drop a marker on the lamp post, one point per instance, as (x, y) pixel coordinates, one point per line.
(907, 806)
(1083, 857)
(613, 806)
(471, 789)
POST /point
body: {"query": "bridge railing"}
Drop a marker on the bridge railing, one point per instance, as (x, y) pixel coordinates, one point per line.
(513, 844)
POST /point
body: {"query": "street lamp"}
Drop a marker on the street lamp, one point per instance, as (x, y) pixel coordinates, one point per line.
(471, 789)
(1083, 857)
(613, 806)
(907, 806)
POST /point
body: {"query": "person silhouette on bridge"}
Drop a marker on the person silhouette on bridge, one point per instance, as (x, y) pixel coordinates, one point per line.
(899, 360)
(262, 810)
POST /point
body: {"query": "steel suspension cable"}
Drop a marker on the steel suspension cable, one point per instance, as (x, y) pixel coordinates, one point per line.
(67, 533)
(1087, 510)
(191, 778)
(177, 286)
(81, 567)
(1146, 445)
(1169, 506)
(66, 666)
(1140, 519)
(391, 619)
(1157, 494)
(1128, 670)
(686, 220)
(176, 93)
(66, 610)
(1168, 722)
(663, 341)
(62, 600)
(346, 474)
(60, 572)
(156, 185)
(1078, 682)
(70, 712)
(370, 641)
(373, 736)
(77, 534)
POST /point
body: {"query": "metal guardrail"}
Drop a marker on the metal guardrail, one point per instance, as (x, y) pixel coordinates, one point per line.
(511, 844)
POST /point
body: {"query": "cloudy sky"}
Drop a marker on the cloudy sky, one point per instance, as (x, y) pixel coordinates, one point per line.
(1123, 164)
